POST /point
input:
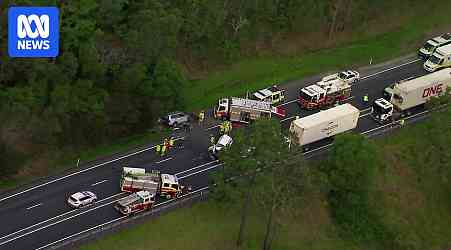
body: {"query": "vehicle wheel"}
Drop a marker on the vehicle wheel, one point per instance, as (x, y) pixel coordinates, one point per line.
(168, 196)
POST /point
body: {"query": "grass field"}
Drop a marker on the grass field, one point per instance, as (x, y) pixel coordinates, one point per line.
(412, 199)
(252, 74)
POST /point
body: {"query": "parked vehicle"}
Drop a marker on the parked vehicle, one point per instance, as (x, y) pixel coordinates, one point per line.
(81, 199)
(175, 119)
(349, 76)
(325, 124)
(245, 110)
(272, 94)
(432, 44)
(410, 94)
(135, 203)
(137, 179)
(439, 60)
(223, 142)
(328, 91)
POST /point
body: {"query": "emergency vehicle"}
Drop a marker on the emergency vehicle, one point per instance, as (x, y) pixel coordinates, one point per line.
(135, 203)
(410, 94)
(273, 95)
(432, 44)
(349, 76)
(324, 93)
(245, 110)
(137, 179)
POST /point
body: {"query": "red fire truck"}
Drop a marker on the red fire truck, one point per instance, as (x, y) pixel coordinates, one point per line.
(135, 203)
(324, 93)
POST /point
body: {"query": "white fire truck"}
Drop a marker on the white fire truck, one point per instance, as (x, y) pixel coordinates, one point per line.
(409, 94)
(272, 94)
(245, 110)
(137, 179)
(324, 93)
(135, 203)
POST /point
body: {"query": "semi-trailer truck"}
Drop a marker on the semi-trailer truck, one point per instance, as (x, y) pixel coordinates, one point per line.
(325, 124)
(410, 94)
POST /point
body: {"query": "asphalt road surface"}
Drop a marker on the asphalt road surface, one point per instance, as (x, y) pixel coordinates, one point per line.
(37, 216)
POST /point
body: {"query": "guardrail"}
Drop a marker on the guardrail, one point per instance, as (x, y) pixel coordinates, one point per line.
(122, 222)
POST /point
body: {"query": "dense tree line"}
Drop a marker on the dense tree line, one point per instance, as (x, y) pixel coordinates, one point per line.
(119, 63)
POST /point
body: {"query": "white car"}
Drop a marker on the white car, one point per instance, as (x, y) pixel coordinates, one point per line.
(81, 199)
(349, 76)
(223, 142)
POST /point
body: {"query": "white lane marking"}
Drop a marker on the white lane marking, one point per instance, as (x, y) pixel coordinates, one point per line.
(84, 231)
(72, 211)
(97, 183)
(79, 172)
(37, 205)
(191, 169)
(57, 222)
(200, 171)
(58, 216)
(289, 118)
(368, 76)
(365, 115)
(167, 159)
(212, 127)
(389, 69)
(286, 103)
(111, 221)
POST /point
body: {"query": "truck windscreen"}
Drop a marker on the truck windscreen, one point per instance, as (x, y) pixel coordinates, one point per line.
(380, 110)
(436, 60)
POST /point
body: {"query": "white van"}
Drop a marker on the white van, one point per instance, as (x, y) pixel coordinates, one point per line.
(440, 59)
(432, 44)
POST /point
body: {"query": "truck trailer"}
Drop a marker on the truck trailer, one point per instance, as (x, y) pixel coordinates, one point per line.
(410, 94)
(325, 124)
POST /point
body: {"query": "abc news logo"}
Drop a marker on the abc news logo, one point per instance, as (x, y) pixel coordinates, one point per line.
(33, 31)
(24, 30)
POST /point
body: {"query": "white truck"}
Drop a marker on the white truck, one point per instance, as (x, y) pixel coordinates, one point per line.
(272, 94)
(432, 44)
(137, 179)
(410, 94)
(439, 60)
(135, 203)
(325, 124)
(245, 110)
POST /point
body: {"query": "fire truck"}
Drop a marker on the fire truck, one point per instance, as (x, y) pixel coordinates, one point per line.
(245, 110)
(135, 203)
(324, 93)
(137, 179)
(272, 94)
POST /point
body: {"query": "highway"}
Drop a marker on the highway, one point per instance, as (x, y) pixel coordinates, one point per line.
(36, 217)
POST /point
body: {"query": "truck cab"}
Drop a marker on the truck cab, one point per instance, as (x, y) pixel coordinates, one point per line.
(382, 110)
(440, 59)
(273, 95)
(311, 96)
(432, 44)
(222, 109)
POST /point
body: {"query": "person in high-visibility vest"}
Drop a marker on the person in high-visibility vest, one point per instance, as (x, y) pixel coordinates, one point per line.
(171, 142)
(365, 98)
(401, 122)
(221, 128)
(226, 127)
(297, 117)
(229, 125)
(163, 150)
(212, 140)
(201, 117)
(158, 148)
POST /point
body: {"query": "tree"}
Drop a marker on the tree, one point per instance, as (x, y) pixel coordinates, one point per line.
(260, 165)
(351, 168)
